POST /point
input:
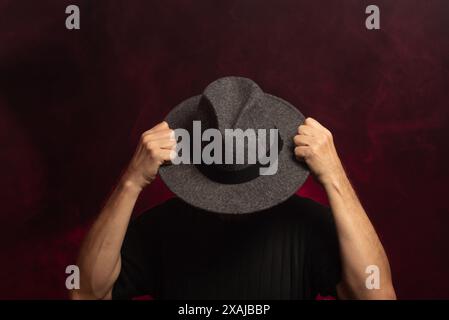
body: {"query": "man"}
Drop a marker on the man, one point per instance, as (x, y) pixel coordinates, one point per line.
(208, 245)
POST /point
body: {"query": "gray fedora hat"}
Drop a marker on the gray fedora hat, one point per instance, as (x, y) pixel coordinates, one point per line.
(232, 103)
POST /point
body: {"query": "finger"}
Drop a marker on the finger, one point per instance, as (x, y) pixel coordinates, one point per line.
(160, 126)
(166, 144)
(302, 140)
(302, 152)
(313, 123)
(306, 130)
(155, 145)
(161, 134)
(166, 154)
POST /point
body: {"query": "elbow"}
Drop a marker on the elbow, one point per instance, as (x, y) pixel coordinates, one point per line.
(75, 295)
(388, 293)
(78, 295)
(94, 287)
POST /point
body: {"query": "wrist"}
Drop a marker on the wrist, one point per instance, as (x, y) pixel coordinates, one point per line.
(335, 180)
(130, 186)
(130, 183)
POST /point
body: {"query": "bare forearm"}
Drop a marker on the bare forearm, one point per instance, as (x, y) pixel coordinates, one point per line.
(99, 258)
(360, 246)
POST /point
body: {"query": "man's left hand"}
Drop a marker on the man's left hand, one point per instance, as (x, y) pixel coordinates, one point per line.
(315, 145)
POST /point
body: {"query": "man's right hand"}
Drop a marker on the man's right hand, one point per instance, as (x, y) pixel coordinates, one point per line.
(99, 259)
(156, 146)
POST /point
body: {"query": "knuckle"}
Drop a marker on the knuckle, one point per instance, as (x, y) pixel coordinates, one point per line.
(164, 124)
(301, 152)
(305, 153)
(152, 153)
(149, 145)
(145, 139)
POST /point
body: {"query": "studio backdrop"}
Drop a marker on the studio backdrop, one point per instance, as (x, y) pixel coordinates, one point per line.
(74, 100)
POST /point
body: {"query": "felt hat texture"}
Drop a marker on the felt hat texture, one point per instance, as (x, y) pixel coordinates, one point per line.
(236, 103)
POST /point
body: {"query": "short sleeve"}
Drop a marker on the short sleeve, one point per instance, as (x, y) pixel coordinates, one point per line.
(137, 274)
(325, 254)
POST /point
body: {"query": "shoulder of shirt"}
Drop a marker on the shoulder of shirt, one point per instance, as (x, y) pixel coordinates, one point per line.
(167, 209)
(306, 208)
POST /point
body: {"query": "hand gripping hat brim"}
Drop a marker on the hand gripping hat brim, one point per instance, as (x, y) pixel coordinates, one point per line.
(264, 191)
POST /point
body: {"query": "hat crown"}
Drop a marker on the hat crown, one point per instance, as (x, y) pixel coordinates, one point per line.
(231, 103)
(234, 103)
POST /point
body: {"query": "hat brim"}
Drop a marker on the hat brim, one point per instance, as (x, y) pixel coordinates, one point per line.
(263, 192)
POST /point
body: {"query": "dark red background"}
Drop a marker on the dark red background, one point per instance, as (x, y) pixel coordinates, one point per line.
(73, 103)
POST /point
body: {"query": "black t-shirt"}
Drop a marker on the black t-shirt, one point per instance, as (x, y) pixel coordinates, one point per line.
(175, 251)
